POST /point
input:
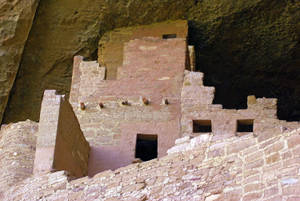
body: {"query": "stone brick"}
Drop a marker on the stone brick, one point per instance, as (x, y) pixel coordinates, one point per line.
(254, 156)
(273, 158)
(294, 141)
(294, 198)
(252, 196)
(239, 146)
(255, 164)
(253, 187)
(291, 190)
(271, 192)
(274, 148)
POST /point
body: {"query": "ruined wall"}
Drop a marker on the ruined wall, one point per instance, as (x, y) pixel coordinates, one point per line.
(238, 168)
(197, 104)
(15, 23)
(17, 148)
(60, 144)
(153, 69)
(111, 45)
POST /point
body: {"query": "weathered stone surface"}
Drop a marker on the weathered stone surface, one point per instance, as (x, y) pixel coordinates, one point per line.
(15, 22)
(179, 176)
(17, 148)
(61, 144)
(245, 47)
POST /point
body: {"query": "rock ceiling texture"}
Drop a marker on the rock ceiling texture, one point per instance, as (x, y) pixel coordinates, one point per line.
(244, 47)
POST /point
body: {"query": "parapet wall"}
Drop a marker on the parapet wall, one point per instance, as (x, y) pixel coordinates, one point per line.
(17, 149)
(61, 145)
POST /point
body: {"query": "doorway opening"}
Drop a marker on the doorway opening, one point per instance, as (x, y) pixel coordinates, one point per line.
(146, 147)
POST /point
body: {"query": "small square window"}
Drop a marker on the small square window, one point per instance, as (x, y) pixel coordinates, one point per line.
(146, 147)
(168, 36)
(245, 125)
(202, 126)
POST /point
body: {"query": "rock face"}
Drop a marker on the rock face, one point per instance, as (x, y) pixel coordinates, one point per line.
(15, 23)
(244, 47)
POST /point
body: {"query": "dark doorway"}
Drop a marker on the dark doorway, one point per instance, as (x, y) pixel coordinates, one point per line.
(168, 36)
(202, 126)
(146, 147)
(245, 125)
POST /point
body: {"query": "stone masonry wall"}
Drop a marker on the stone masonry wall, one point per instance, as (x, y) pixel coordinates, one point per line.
(202, 168)
(196, 104)
(17, 148)
(61, 144)
(111, 45)
(152, 69)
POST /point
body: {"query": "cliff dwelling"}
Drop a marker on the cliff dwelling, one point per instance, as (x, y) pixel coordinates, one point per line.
(142, 109)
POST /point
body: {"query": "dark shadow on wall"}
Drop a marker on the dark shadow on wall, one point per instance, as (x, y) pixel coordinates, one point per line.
(239, 61)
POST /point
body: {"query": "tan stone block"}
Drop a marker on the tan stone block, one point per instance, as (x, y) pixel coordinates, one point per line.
(271, 192)
(274, 148)
(291, 190)
(239, 146)
(253, 187)
(286, 155)
(254, 156)
(294, 141)
(252, 196)
(294, 198)
(256, 164)
(251, 179)
(133, 187)
(251, 100)
(273, 158)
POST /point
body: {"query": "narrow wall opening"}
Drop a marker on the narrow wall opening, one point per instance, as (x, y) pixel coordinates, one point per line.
(146, 147)
(169, 36)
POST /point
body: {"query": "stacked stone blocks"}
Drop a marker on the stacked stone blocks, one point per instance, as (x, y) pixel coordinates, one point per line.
(236, 168)
(61, 144)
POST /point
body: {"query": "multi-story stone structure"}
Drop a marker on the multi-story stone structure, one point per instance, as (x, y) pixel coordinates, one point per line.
(123, 112)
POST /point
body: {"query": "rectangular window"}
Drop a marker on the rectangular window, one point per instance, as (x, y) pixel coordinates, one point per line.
(245, 125)
(146, 147)
(168, 36)
(202, 126)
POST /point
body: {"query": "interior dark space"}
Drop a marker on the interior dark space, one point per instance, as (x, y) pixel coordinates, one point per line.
(202, 126)
(146, 147)
(237, 66)
(245, 125)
